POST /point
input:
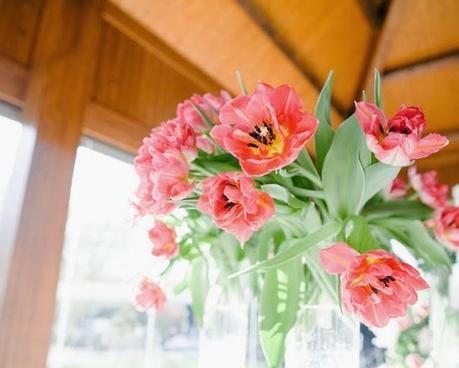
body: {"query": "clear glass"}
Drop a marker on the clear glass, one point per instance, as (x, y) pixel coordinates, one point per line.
(444, 321)
(323, 338)
(10, 136)
(96, 323)
(223, 336)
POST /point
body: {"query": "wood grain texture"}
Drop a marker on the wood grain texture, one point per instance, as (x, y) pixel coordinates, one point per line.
(446, 161)
(433, 86)
(60, 84)
(382, 44)
(320, 36)
(425, 30)
(113, 128)
(18, 27)
(134, 82)
(221, 38)
(154, 45)
(13, 81)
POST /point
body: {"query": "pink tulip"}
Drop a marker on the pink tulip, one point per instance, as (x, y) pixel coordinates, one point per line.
(163, 179)
(414, 360)
(149, 295)
(396, 190)
(162, 164)
(235, 205)
(404, 323)
(265, 131)
(430, 191)
(375, 285)
(163, 239)
(172, 134)
(397, 141)
(208, 104)
(446, 226)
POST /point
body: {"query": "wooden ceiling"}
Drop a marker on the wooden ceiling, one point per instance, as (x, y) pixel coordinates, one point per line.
(153, 54)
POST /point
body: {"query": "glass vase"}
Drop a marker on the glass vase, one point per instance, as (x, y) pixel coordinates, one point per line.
(323, 337)
(444, 320)
(223, 336)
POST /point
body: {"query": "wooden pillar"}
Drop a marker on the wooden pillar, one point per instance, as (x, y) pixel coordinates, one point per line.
(60, 85)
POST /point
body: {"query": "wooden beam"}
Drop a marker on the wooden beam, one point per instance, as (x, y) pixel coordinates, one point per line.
(133, 81)
(129, 27)
(59, 88)
(13, 81)
(319, 36)
(113, 128)
(428, 29)
(220, 38)
(19, 22)
(434, 86)
(446, 161)
(390, 25)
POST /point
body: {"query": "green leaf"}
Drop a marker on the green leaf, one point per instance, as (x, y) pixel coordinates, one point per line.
(241, 83)
(377, 90)
(296, 248)
(199, 284)
(266, 238)
(342, 174)
(324, 134)
(377, 177)
(312, 220)
(397, 208)
(282, 194)
(423, 242)
(326, 282)
(279, 304)
(415, 236)
(358, 234)
(305, 160)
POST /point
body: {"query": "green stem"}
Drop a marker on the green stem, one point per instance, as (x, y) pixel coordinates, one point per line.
(307, 174)
(241, 83)
(201, 170)
(307, 193)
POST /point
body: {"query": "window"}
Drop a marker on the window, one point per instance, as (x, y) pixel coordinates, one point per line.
(96, 324)
(10, 136)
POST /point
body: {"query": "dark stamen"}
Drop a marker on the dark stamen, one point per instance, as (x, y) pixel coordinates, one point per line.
(374, 290)
(229, 205)
(252, 145)
(265, 137)
(386, 280)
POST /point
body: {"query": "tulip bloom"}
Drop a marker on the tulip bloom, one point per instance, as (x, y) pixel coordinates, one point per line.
(235, 205)
(397, 141)
(397, 189)
(414, 360)
(375, 285)
(210, 106)
(172, 134)
(163, 177)
(430, 191)
(149, 295)
(163, 239)
(446, 226)
(265, 131)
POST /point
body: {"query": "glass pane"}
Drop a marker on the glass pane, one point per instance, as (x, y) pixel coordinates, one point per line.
(10, 136)
(96, 324)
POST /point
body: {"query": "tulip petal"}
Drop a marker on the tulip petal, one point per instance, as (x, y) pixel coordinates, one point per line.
(336, 258)
(431, 143)
(370, 117)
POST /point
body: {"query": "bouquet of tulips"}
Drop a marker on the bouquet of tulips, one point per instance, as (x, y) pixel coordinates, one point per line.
(296, 222)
